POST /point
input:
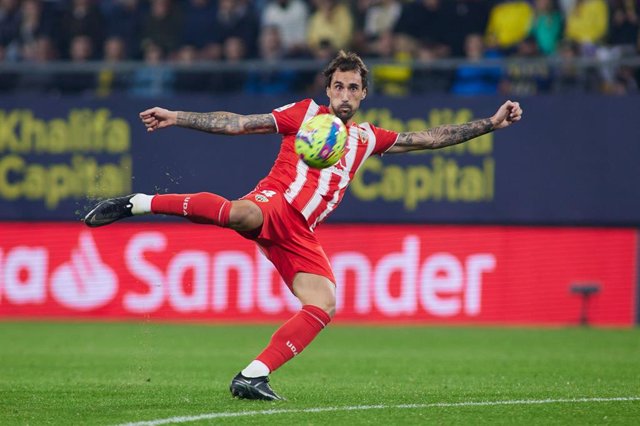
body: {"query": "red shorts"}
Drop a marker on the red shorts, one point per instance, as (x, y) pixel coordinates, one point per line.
(285, 238)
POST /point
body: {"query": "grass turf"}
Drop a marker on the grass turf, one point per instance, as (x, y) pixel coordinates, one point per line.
(111, 373)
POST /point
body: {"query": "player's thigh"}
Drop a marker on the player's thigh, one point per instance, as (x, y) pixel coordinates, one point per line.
(245, 216)
(315, 290)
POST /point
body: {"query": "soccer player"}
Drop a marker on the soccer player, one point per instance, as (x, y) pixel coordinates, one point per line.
(280, 214)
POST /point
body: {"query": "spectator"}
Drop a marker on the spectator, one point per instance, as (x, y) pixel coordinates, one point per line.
(198, 28)
(622, 41)
(623, 26)
(236, 19)
(161, 29)
(469, 17)
(188, 79)
(526, 78)
(270, 45)
(290, 17)
(509, 24)
(270, 81)
(625, 82)
(379, 21)
(547, 26)
(9, 24)
(317, 86)
(83, 18)
(9, 28)
(393, 78)
(568, 76)
(587, 24)
(425, 24)
(114, 50)
(34, 27)
(587, 27)
(381, 17)
(153, 79)
(123, 21)
(358, 10)
(234, 51)
(41, 51)
(109, 80)
(332, 23)
(9, 80)
(81, 50)
(44, 50)
(422, 31)
(472, 78)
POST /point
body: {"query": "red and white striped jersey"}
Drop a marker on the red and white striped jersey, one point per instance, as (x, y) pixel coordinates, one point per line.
(317, 192)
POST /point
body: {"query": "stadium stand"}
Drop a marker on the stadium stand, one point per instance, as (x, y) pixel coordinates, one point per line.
(156, 47)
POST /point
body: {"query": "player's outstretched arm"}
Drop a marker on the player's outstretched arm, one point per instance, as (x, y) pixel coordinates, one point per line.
(447, 135)
(226, 123)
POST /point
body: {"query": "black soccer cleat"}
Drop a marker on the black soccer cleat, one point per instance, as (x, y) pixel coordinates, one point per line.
(108, 211)
(253, 388)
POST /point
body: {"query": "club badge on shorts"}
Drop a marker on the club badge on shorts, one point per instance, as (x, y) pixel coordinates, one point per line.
(261, 198)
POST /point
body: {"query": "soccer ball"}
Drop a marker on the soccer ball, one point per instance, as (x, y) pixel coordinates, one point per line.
(321, 140)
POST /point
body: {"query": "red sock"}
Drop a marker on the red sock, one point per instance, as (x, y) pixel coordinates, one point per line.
(294, 335)
(202, 207)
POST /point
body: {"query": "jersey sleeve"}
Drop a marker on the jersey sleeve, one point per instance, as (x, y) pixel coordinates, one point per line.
(289, 117)
(385, 139)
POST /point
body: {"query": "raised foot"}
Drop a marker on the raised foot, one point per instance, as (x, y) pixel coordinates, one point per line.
(108, 211)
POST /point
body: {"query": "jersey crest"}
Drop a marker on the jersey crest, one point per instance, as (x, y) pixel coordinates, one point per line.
(363, 136)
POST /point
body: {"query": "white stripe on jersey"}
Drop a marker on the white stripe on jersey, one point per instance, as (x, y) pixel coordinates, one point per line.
(301, 168)
(301, 177)
(321, 191)
(350, 161)
(372, 139)
(311, 111)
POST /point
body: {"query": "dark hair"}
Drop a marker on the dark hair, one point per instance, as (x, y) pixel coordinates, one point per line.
(346, 61)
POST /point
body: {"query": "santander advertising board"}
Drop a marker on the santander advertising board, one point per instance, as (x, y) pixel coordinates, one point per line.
(384, 273)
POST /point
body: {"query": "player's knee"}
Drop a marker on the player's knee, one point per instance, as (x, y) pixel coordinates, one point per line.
(327, 303)
(330, 306)
(245, 216)
(315, 290)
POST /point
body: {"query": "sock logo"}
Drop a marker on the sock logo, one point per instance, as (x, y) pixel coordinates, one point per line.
(293, 348)
(185, 204)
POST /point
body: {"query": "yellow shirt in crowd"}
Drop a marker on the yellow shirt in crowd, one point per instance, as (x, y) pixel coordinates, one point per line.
(588, 22)
(336, 27)
(509, 23)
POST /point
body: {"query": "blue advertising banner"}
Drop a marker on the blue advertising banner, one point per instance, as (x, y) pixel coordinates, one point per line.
(571, 160)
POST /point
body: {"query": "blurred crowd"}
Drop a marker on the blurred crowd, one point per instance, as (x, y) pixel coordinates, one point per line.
(402, 33)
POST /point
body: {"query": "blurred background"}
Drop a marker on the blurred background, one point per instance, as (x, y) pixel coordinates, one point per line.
(536, 224)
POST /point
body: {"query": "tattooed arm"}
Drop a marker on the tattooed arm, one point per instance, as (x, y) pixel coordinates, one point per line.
(447, 135)
(226, 123)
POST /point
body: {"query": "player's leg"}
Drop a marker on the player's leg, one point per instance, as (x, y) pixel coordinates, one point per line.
(318, 297)
(202, 207)
(299, 258)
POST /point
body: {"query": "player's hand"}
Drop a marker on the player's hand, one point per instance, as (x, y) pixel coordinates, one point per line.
(158, 118)
(507, 114)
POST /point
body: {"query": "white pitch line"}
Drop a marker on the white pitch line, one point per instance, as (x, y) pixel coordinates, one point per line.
(209, 416)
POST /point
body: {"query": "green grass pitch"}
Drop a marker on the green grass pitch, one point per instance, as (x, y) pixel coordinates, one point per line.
(115, 373)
